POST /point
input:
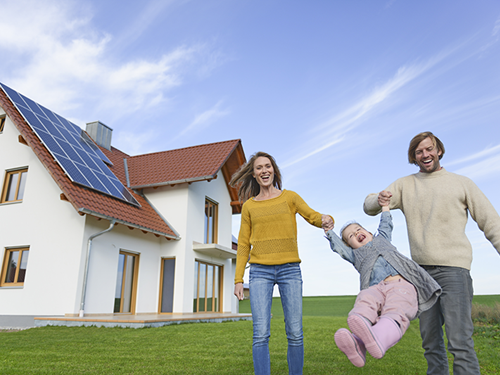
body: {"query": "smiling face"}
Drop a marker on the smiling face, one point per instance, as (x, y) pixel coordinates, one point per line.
(356, 236)
(427, 156)
(263, 171)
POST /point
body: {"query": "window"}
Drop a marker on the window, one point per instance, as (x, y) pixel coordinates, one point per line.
(207, 287)
(2, 123)
(13, 188)
(14, 267)
(211, 211)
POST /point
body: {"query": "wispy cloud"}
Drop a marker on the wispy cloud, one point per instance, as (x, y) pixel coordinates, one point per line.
(489, 166)
(66, 60)
(496, 28)
(150, 12)
(204, 119)
(336, 128)
(477, 155)
(486, 168)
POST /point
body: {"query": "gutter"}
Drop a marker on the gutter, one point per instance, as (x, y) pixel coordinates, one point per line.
(126, 223)
(87, 258)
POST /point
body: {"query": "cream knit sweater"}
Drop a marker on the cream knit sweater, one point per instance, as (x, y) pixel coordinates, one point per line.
(435, 206)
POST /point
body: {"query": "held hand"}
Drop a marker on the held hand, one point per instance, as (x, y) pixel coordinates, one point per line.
(238, 291)
(326, 223)
(384, 198)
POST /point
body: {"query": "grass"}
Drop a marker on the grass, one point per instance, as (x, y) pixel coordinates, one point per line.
(226, 348)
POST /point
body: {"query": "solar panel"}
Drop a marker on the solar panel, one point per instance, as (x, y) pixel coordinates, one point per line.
(71, 147)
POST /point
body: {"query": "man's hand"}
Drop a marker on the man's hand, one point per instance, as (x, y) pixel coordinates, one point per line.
(384, 198)
(238, 291)
(326, 222)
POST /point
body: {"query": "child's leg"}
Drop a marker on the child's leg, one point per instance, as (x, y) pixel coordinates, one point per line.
(369, 303)
(399, 306)
(401, 303)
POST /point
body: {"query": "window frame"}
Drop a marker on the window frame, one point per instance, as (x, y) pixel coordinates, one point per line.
(6, 183)
(6, 257)
(217, 287)
(209, 204)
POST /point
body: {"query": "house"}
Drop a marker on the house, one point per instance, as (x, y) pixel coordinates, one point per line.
(89, 230)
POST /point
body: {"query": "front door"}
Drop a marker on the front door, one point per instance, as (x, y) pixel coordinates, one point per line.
(126, 283)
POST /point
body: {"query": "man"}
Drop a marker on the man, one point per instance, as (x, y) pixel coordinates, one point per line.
(435, 203)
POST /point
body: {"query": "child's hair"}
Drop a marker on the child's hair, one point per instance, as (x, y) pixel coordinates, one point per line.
(345, 226)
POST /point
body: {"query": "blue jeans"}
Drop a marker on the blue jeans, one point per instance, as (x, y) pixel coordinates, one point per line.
(262, 281)
(453, 308)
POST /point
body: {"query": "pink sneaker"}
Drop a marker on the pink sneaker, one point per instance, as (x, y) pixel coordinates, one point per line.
(351, 346)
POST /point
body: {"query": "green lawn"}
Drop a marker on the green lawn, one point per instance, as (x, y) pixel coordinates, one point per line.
(212, 348)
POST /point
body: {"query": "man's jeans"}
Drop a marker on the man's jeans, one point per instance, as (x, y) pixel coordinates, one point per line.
(453, 308)
(262, 281)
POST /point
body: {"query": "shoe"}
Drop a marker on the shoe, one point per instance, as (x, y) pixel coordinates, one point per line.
(351, 346)
(377, 338)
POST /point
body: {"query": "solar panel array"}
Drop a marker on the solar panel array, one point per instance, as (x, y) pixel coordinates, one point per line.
(71, 147)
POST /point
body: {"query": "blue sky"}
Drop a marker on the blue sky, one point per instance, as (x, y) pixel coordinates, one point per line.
(334, 90)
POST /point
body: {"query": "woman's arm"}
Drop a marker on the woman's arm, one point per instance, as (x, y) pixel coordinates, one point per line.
(243, 245)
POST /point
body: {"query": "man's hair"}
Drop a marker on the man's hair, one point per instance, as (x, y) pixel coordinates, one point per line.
(416, 141)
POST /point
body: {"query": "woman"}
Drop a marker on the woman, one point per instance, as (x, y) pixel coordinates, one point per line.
(268, 241)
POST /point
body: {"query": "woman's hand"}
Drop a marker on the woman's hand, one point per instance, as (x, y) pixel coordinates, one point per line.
(238, 291)
(326, 222)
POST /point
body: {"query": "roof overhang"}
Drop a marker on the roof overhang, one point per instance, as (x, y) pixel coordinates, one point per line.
(128, 224)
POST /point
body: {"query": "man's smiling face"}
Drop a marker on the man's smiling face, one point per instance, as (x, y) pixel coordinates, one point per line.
(427, 156)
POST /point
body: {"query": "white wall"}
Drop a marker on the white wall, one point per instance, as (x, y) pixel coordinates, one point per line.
(183, 206)
(49, 226)
(217, 191)
(103, 266)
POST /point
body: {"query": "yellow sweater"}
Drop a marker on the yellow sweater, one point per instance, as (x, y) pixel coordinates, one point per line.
(268, 231)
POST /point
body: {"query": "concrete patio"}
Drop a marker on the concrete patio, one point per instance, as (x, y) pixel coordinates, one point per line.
(138, 320)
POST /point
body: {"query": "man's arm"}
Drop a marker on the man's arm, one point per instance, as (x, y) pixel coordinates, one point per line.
(390, 196)
(374, 203)
(484, 214)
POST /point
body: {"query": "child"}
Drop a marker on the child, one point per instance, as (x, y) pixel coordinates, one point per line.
(394, 290)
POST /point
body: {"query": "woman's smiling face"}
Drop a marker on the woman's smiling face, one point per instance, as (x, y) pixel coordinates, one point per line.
(263, 171)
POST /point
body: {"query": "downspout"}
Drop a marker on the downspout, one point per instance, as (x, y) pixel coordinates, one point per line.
(87, 258)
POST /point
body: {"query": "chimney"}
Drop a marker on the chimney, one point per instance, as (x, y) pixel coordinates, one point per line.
(100, 133)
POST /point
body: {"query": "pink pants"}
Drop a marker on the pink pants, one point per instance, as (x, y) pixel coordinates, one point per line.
(396, 299)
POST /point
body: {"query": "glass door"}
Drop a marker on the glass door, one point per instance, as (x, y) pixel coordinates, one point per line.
(207, 287)
(126, 283)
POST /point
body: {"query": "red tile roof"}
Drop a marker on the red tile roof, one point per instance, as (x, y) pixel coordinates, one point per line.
(192, 163)
(183, 165)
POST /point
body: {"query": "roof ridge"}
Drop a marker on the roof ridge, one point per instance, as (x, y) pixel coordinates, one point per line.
(185, 148)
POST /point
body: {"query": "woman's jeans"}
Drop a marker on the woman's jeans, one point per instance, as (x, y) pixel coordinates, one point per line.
(453, 308)
(262, 281)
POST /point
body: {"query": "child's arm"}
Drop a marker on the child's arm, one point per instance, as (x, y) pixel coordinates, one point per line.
(385, 227)
(340, 247)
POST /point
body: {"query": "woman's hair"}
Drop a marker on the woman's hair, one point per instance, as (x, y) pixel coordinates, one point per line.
(416, 141)
(244, 181)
